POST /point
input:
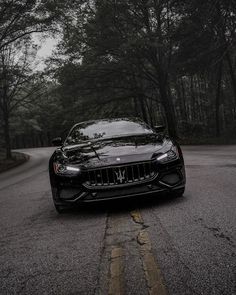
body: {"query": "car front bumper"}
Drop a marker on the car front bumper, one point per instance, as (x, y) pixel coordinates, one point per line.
(167, 181)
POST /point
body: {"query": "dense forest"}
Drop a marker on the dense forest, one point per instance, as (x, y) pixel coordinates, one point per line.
(166, 61)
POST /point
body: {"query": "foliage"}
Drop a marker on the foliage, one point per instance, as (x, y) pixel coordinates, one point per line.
(166, 60)
(171, 58)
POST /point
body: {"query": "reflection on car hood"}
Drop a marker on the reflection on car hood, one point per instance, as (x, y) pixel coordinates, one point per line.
(115, 151)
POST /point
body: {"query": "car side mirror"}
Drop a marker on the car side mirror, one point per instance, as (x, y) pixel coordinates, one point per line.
(57, 141)
(159, 128)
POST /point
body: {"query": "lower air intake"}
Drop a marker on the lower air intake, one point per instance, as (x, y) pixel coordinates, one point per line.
(171, 179)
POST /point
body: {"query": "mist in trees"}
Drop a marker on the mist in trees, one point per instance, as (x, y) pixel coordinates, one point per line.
(18, 82)
(164, 61)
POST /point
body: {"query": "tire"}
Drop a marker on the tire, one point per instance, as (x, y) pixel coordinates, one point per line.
(60, 209)
(179, 193)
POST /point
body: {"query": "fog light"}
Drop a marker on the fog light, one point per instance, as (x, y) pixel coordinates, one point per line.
(171, 179)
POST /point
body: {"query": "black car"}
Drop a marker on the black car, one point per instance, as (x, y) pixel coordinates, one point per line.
(114, 158)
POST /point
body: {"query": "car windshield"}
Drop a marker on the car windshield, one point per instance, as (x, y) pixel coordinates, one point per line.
(106, 129)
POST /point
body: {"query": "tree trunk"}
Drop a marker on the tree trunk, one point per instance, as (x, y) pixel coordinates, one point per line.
(150, 112)
(182, 100)
(217, 101)
(193, 99)
(143, 108)
(232, 75)
(135, 107)
(169, 110)
(48, 140)
(6, 131)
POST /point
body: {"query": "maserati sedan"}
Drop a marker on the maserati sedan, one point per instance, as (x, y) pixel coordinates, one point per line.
(114, 158)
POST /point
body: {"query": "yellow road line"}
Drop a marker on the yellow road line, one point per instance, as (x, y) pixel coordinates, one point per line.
(116, 272)
(151, 269)
(135, 214)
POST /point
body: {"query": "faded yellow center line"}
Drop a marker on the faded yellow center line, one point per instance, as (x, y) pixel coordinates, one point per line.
(135, 214)
(150, 266)
(116, 272)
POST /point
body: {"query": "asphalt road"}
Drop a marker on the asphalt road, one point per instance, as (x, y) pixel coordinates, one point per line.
(144, 246)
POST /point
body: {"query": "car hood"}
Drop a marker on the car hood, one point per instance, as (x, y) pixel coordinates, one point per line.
(115, 151)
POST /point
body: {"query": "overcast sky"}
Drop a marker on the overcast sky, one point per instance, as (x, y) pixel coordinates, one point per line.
(47, 46)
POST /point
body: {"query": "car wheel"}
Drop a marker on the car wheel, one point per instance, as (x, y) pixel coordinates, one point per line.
(60, 209)
(179, 193)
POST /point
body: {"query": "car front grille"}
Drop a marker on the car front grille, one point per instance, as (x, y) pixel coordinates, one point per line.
(120, 175)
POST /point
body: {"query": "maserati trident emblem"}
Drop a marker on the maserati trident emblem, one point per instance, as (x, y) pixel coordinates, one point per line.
(120, 175)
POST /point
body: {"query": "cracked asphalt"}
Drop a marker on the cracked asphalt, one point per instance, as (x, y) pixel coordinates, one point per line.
(190, 242)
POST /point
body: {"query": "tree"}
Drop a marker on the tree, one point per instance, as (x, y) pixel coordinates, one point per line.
(148, 58)
(22, 18)
(206, 40)
(135, 35)
(18, 83)
(18, 21)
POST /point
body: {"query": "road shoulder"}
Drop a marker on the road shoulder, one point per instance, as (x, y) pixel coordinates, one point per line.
(17, 159)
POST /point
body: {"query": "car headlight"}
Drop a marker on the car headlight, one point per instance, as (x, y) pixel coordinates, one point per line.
(64, 170)
(169, 156)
